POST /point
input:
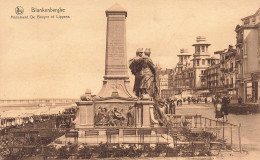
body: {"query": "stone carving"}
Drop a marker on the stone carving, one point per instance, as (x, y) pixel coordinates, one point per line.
(144, 70)
(114, 114)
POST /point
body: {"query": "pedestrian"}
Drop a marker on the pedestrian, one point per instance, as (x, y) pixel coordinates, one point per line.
(225, 102)
(188, 100)
(218, 108)
(239, 100)
(173, 107)
(166, 109)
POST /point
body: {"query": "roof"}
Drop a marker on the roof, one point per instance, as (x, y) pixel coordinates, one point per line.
(258, 11)
(116, 8)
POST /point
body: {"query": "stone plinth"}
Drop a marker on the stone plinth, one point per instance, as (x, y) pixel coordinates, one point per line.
(85, 115)
(143, 113)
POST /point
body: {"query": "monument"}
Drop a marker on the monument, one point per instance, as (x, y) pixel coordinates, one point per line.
(115, 104)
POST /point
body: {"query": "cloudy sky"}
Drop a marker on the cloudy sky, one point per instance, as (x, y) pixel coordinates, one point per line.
(55, 58)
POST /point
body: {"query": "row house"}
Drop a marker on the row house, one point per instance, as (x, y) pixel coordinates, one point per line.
(248, 58)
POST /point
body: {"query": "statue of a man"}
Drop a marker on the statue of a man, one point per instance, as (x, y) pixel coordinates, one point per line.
(135, 66)
(147, 85)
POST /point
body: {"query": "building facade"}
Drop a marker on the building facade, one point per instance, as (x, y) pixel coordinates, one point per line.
(166, 84)
(191, 70)
(248, 53)
(227, 71)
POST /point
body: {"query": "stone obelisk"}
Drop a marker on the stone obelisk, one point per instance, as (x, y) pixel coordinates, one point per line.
(116, 80)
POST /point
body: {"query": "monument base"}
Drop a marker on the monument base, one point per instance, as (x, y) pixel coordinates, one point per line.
(115, 112)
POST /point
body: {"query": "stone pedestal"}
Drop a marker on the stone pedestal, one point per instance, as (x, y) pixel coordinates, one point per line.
(85, 114)
(143, 116)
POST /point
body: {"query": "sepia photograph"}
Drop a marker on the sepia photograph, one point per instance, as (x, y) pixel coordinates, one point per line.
(130, 79)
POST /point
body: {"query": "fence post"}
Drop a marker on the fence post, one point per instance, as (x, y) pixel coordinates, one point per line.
(231, 137)
(196, 120)
(239, 136)
(223, 131)
(200, 121)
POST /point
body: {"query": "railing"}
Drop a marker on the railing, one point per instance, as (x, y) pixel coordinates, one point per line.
(239, 76)
(231, 86)
(239, 56)
(193, 131)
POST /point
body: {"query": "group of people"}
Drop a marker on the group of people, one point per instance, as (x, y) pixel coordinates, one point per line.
(221, 106)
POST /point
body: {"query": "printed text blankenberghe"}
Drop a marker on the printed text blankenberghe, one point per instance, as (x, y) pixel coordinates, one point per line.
(57, 10)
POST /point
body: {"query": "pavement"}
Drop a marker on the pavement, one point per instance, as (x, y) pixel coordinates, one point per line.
(250, 128)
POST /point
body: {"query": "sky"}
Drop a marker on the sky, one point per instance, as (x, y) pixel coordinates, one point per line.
(61, 58)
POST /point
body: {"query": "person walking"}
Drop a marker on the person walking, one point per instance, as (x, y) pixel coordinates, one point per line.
(225, 102)
(218, 108)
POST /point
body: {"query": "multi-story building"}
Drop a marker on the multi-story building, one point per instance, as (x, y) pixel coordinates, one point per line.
(201, 61)
(227, 72)
(215, 79)
(166, 83)
(183, 80)
(248, 58)
(191, 74)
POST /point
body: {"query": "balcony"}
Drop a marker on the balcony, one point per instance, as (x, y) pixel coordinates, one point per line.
(226, 70)
(230, 69)
(239, 57)
(239, 76)
(230, 86)
(222, 69)
(236, 70)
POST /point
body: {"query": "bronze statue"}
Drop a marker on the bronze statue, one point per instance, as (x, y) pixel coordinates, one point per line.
(144, 70)
(147, 75)
(134, 65)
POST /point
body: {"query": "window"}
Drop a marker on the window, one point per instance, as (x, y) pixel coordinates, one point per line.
(246, 21)
(198, 49)
(203, 49)
(253, 19)
(203, 62)
(198, 62)
(208, 62)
